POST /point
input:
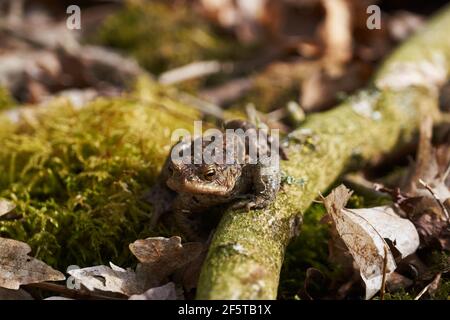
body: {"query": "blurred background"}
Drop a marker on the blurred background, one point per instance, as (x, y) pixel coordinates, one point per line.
(229, 52)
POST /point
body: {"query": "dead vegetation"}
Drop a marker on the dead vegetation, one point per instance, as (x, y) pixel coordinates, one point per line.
(85, 123)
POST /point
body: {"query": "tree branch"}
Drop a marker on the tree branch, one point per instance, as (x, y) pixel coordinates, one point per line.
(246, 253)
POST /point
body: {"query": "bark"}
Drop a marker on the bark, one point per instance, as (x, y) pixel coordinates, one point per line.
(247, 250)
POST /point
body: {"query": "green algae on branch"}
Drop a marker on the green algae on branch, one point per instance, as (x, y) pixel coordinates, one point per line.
(362, 128)
(77, 175)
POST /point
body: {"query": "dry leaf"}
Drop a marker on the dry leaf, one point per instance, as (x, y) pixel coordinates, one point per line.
(364, 232)
(424, 195)
(426, 214)
(165, 292)
(390, 226)
(6, 207)
(160, 257)
(17, 267)
(112, 279)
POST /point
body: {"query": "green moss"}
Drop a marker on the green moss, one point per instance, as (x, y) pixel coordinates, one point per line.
(6, 100)
(309, 249)
(277, 85)
(443, 292)
(400, 295)
(78, 176)
(161, 38)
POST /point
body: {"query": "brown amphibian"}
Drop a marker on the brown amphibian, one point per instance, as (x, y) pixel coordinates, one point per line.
(198, 188)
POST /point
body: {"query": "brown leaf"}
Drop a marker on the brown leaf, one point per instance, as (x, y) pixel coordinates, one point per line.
(365, 233)
(111, 279)
(424, 195)
(6, 207)
(160, 257)
(17, 267)
(420, 205)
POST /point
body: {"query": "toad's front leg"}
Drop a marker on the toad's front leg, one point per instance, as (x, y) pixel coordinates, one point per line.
(266, 181)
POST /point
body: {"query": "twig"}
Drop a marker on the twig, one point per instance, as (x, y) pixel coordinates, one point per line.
(193, 71)
(203, 106)
(71, 293)
(228, 92)
(421, 293)
(383, 280)
(447, 172)
(365, 187)
(338, 135)
(435, 196)
(15, 13)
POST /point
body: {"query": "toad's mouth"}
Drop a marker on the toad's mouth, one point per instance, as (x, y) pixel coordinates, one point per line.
(195, 187)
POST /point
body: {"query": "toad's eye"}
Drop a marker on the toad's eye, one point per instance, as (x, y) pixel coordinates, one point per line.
(210, 173)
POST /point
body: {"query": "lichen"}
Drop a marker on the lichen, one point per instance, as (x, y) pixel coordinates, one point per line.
(78, 176)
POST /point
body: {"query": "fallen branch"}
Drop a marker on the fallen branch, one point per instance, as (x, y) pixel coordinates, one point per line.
(246, 253)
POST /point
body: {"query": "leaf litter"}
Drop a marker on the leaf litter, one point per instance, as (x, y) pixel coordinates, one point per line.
(364, 231)
(159, 258)
(18, 268)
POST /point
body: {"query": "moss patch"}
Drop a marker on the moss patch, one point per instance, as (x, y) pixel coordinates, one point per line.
(6, 100)
(78, 176)
(161, 38)
(310, 249)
